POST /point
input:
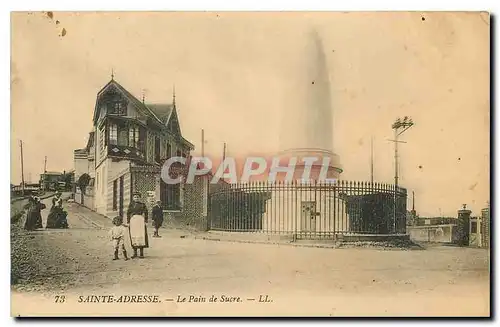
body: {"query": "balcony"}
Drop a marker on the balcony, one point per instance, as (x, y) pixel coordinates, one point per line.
(127, 152)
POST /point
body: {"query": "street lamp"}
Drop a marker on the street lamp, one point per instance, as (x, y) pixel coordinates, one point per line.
(399, 127)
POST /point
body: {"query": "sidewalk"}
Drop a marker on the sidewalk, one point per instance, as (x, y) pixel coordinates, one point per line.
(287, 239)
(91, 217)
(262, 238)
(99, 221)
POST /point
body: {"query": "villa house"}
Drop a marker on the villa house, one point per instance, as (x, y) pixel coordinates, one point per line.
(129, 142)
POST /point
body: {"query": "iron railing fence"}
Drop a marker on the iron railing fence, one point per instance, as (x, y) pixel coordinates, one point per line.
(309, 209)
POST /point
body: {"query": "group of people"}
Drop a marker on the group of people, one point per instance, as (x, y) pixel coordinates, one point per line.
(56, 218)
(135, 227)
(137, 219)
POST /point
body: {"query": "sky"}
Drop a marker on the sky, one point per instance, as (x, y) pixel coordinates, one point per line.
(232, 76)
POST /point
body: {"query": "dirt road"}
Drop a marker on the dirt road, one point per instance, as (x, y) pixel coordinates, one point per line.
(76, 263)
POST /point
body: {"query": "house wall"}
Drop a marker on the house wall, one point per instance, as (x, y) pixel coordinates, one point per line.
(87, 199)
(100, 193)
(81, 167)
(150, 149)
(91, 165)
(195, 204)
(78, 195)
(116, 169)
(125, 172)
(193, 199)
(144, 182)
(100, 150)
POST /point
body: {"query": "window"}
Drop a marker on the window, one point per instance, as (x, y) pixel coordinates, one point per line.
(133, 137)
(170, 195)
(179, 153)
(113, 134)
(473, 227)
(118, 108)
(115, 197)
(157, 149)
(122, 137)
(169, 150)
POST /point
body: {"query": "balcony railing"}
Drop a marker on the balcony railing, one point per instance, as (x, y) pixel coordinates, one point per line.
(125, 151)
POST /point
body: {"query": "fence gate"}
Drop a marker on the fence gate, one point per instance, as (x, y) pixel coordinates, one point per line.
(308, 217)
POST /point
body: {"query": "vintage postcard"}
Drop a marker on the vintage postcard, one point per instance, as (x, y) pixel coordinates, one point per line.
(331, 164)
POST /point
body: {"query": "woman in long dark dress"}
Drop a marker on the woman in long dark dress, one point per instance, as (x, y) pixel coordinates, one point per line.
(137, 218)
(39, 206)
(30, 215)
(57, 216)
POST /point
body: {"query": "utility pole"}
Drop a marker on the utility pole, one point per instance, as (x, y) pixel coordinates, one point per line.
(399, 127)
(396, 175)
(224, 153)
(413, 201)
(22, 166)
(371, 161)
(202, 143)
(44, 174)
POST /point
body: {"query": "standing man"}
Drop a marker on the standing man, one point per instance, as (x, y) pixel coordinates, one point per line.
(137, 218)
(157, 217)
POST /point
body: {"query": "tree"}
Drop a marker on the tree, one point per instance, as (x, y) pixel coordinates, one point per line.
(83, 182)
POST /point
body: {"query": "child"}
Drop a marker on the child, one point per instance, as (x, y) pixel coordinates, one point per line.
(157, 218)
(117, 234)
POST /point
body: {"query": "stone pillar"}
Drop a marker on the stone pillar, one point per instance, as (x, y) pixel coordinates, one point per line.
(463, 226)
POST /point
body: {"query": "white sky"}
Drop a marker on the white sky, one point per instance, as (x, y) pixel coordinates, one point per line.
(230, 70)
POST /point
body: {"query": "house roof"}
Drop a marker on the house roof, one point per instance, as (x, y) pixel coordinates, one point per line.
(90, 141)
(161, 110)
(138, 104)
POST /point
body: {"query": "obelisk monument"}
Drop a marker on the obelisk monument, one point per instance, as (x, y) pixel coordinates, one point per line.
(307, 125)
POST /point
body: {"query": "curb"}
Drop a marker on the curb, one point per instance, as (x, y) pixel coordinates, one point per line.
(90, 221)
(318, 246)
(266, 242)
